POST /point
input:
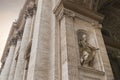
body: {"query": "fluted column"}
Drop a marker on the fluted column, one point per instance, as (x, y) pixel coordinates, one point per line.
(40, 59)
(27, 55)
(6, 68)
(19, 74)
(16, 53)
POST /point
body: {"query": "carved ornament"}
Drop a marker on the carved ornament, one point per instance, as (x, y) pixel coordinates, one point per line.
(31, 9)
(20, 34)
(13, 41)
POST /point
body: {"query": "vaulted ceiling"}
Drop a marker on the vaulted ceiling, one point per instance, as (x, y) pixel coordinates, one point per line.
(111, 31)
(106, 3)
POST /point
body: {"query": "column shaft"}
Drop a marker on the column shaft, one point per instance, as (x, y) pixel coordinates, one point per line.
(6, 69)
(40, 63)
(35, 42)
(19, 73)
(30, 39)
(14, 62)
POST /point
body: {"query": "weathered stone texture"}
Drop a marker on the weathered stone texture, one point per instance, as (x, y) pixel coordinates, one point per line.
(47, 36)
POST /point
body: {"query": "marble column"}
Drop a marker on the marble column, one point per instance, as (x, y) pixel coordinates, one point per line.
(19, 73)
(7, 66)
(29, 46)
(16, 53)
(40, 63)
(53, 46)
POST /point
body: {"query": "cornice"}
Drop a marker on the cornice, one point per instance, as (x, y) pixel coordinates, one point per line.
(76, 10)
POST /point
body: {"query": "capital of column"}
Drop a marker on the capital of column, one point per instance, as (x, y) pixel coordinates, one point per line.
(20, 34)
(31, 9)
(13, 41)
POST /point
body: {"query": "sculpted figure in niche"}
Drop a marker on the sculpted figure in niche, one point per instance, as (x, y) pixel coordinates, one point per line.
(87, 51)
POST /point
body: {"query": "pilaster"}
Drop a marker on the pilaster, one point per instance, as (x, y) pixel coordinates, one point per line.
(40, 62)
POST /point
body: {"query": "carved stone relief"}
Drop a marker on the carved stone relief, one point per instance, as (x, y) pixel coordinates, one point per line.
(20, 34)
(87, 51)
(31, 9)
(13, 41)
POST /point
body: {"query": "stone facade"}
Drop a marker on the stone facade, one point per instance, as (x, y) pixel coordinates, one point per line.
(62, 40)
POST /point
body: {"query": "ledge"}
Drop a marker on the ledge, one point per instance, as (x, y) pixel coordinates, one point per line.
(66, 4)
(91, 70)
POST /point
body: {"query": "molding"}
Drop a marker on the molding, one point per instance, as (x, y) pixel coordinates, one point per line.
(92, 70)
(74, 10)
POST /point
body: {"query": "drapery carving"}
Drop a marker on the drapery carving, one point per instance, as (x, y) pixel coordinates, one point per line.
(87, 51)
